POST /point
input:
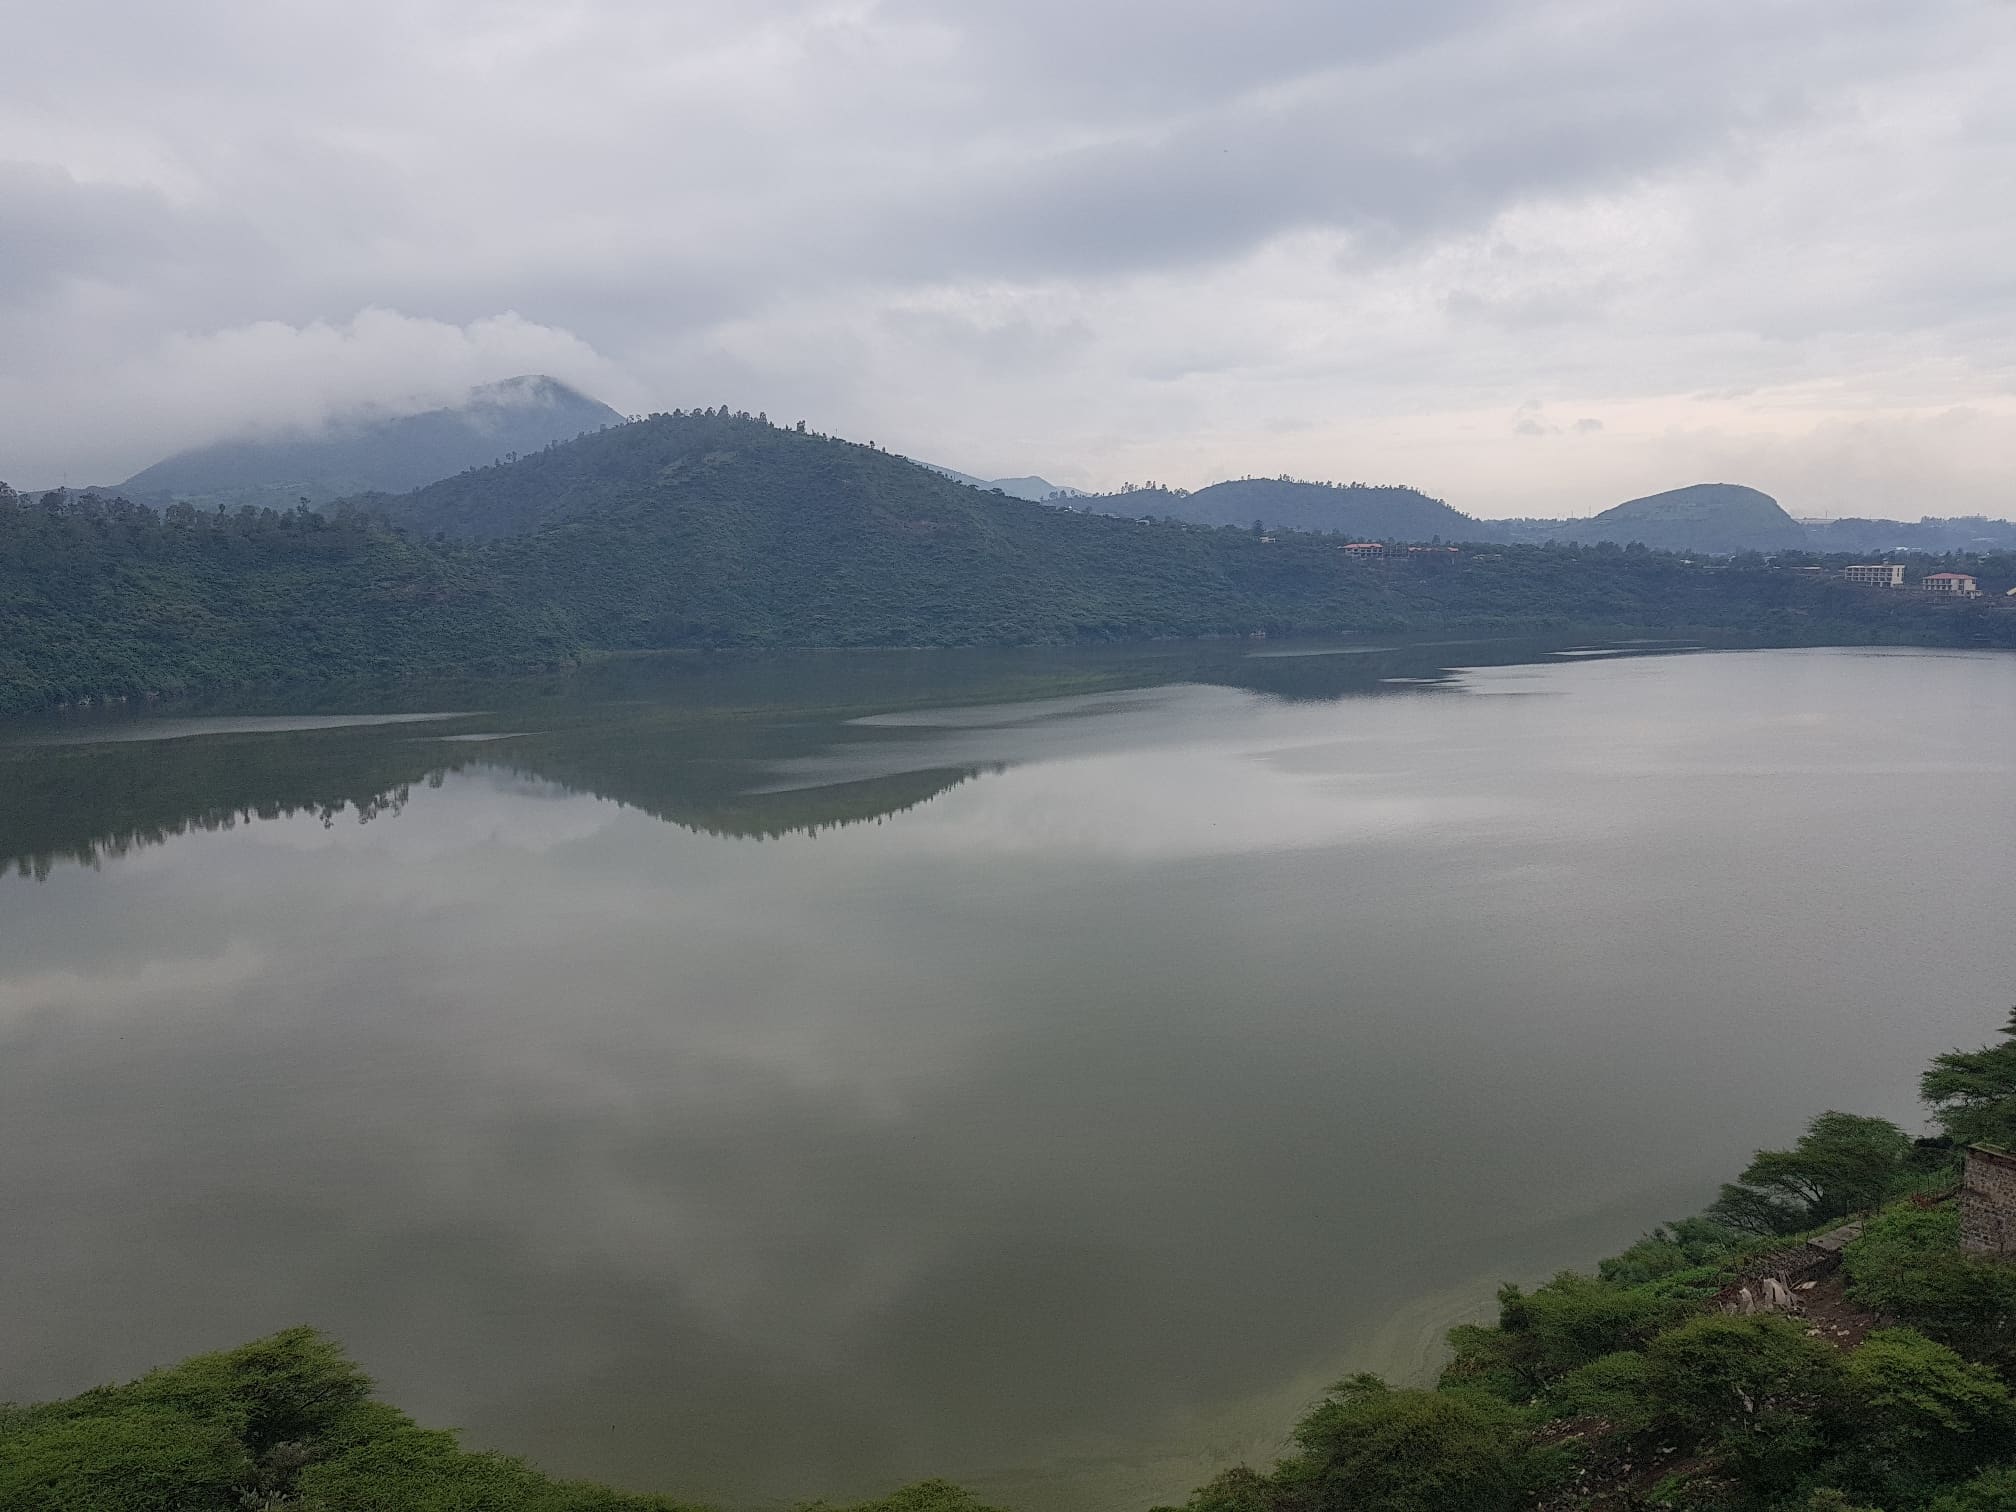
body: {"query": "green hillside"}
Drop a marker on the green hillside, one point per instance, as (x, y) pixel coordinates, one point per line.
(1709, 517)
(717, 531)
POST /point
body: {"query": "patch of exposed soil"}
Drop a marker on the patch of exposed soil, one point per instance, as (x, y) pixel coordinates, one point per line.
(1828, 1314)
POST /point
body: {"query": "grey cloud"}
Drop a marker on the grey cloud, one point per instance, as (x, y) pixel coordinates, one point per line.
(1103, 61)
(54, 229)
(1442, 138)
(1083, 220)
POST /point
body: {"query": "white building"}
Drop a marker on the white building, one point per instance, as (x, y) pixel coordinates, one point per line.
(1959, 584)
(1876, 575)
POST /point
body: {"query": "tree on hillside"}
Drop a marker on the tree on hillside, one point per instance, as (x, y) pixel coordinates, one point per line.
(1556, 1328)
(1842, 1164)
(1371, 1445)
(1973, 1092)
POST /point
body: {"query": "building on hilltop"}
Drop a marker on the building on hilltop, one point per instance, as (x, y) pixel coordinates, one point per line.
(1988, 1202)
(1960, 584)
(1365, 549)
(1875, 575)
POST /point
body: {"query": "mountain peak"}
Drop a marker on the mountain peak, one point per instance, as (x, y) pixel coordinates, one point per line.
(1716, 517)
(368, 452)
(525, 390)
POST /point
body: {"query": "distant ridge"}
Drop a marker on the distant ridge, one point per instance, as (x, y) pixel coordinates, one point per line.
(1724, 519)
(367, 453)
(1382, 513)
(1029, 487)
(1712, 517)
(1964, 533)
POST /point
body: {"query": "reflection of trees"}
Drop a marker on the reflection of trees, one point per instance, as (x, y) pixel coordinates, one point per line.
(690, 741)
(708, 775)
(93, 804)
(840, 805)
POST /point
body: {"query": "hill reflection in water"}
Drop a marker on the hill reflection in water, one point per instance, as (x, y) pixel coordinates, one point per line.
(743, 747)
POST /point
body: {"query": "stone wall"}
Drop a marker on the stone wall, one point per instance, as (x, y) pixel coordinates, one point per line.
(1988, 1203)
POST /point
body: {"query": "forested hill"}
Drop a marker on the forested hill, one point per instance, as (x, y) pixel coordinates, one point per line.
(720, 531)
(1703, 518)
(1711, 517)
(1363, 511)
(716, 529)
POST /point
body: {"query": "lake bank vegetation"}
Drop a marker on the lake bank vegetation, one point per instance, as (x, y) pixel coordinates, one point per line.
(711, 531)
(1885, 1384)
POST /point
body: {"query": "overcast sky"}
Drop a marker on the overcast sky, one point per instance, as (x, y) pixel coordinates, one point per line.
(1532, 257)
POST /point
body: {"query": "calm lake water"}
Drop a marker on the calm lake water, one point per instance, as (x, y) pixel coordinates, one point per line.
(766, 1080)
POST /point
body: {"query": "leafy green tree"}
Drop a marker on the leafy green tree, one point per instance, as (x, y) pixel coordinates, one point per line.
(1543, 1334)
(402, 1468)
(1671, 1249)
(1843, 1163)
(1921, 1414)
(1754, 1211)
(922, 1496)
(1616, 1388)
(1723, 1378)
(1240, 1489)
(1370, 1446)
(1762, 1396)
(1991, 1491)
(283, 1422)
(1908, 1265)
(1973, 1092)
(119, 1458)
(296, 1385)
(417, 1470)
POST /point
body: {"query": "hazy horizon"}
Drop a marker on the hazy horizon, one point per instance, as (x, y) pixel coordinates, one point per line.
(392, 409)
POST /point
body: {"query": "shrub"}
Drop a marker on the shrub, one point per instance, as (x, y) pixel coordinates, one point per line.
(123, 1458)
(1908, 1264)
(1672, 1249)
(1723, 1377)
(1991, 1491)
(1240, 1489)
(1558, 1327)
(922, 1496)
(1921, 1413)
(1616, 1388)
(1369, 1445)
(292, 1386)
